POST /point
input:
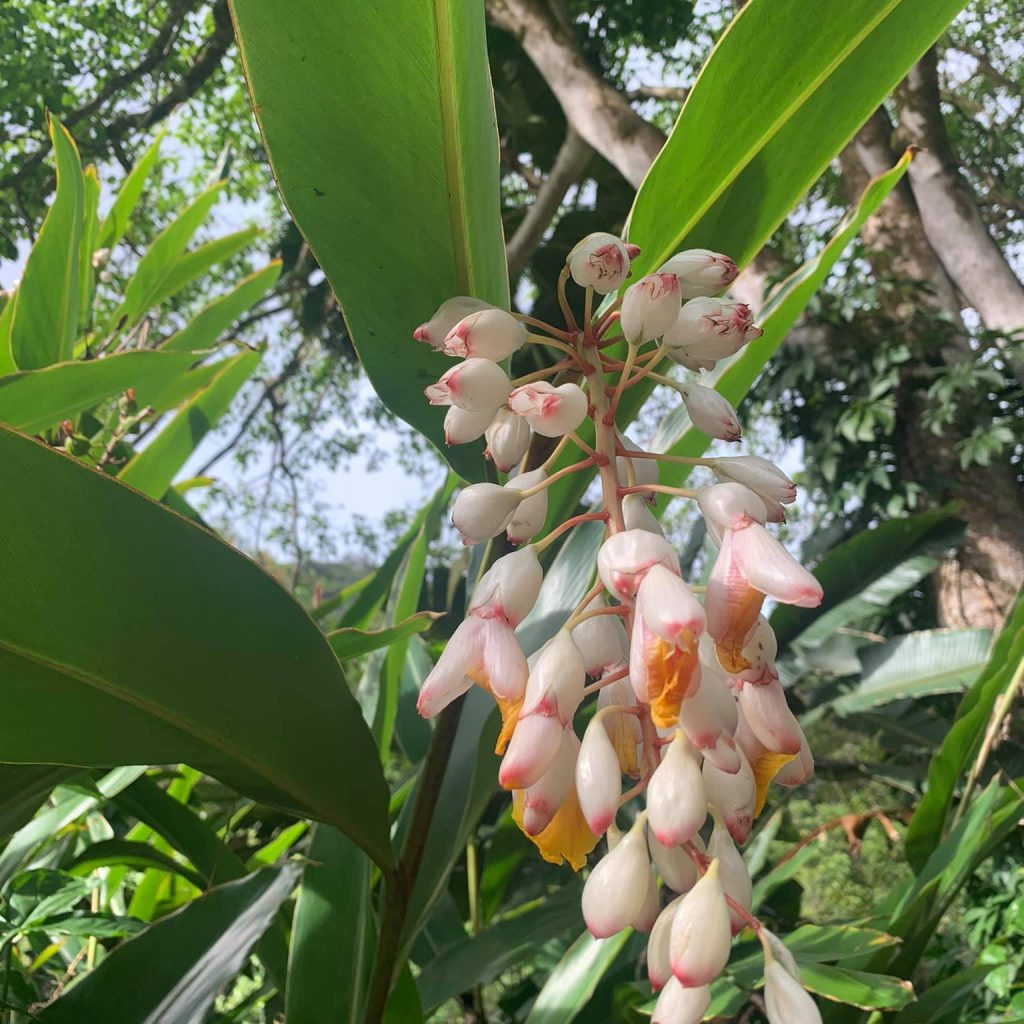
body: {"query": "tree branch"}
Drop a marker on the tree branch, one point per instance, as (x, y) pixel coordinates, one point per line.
(568, 168)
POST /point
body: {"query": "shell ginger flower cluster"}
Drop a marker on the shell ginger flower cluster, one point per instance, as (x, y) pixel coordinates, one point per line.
(674, 687)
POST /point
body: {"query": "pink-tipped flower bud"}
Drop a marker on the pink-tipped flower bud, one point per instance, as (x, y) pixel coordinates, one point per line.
(482, 511)
(676, 806)
(650, 308)
(528, 519)
(533, 748)
(489, 334)
(508, 437)
(701, 933)
(551, 411)
(637, 515)
(768, 715)
(636, 472)
(710, 413)
(601, 639)
(614, 893)
(800, 769)
(598, 779)
(709, 714)
(462, 426)
(733, 796)
(760, 475)
(726, 506)
(474, 385)
(599, 261)
(712, 328)
(700, 272)
(681, 1004)
(674, 864)
(555, 686)
(625, 557)
(542, 800)
(510, 587)
(733, 873)
(659, 963)
(448, 314)
(779, 952)
(786, 1000)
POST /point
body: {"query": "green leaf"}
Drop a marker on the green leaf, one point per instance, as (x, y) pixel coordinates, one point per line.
(23, 788)
(203, 330)
(46, 315)
(6, 320)
(38, 400)
(814, 943)
(114, 225)
(127, 853)
(160, 259)
(916, 665)
(864, 574)
(278, 846)
(189, 651)
(71, 806)
(857, 988)
(945, 997)
(329, 946)
(746, 147)
(571, 984)
(175, 969)
(153, 469)
(961, 744)
(479, 959)
(90, 224)
(433, 229)
(351, 643)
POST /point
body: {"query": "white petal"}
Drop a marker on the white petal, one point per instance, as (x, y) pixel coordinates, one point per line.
(733, 796)
(625, 557)
(482, 511)
(448, 314)
(659, 965)
(785, 999)
(474, 385)
(615, 890)
(509, 589)
(598, 779)
(710, 413)
(528, 519)
(644, 920)
(508, 437)
(487, 334)
(679, 1004)
(461, 426)
(449, 678)
(535, 744)
(676, 806)
(768, 715)
(733, 873)
(555, 686)
(767, 566)
(542, 800)
(650, 307)
(701, 933)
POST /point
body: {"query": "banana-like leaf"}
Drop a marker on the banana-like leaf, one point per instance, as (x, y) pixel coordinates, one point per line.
(116, 222)
(176, 648)
(127, 853)
(351, 643)
(174, 970)
(38, 400)
(152, 469)
(90, 225)
(857, 988)
(916, 665)
(203, 330)
(46, 312)
(941, 1001)
(964, 739)
(391, 174)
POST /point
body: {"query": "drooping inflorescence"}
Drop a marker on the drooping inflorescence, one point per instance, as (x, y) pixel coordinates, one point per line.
(688, 702)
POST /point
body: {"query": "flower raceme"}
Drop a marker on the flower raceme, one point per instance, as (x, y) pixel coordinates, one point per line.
(688, 713)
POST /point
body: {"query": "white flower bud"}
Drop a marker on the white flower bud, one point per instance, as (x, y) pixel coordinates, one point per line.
(644, 920)
(726, 506)
(712, 328)
(551, 411)
(768, 715)
(676, 806)
(598, 778)
(555, 686)
(800, 770)
(614, 893)
(510, 587)
(533, 748)
(529, 517)
(508, 437)
(542, 800)
(679, 1004)
(650, 308)
(780, 952)
(599, 261)
(625, 557)
(462, 426)
(448, 314)
(482, 511)
(734, 796)
(474, 385)
(758, 474)
(659, 963)
(692, 361)
(637, 515)
(674, 865)
(710, 413)
(700, 272)
(601, 639)
(709, 714)
(786, 1000)
(489, 334)
(733, 873)
(701, 934)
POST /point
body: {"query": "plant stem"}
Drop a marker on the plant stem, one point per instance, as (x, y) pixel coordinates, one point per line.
(523, 318)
